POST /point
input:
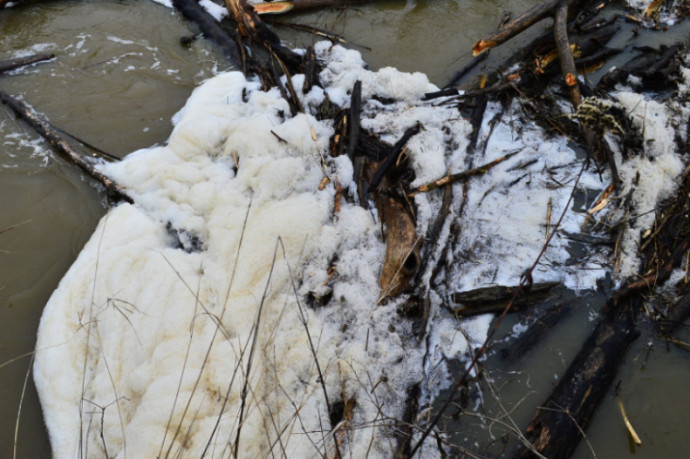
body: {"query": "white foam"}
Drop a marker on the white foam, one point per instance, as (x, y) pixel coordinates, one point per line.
(143, 340)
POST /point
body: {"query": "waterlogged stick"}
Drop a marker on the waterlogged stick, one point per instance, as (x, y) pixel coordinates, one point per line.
(461, 175)
(60, 144)
(628, 425)
(11, 64)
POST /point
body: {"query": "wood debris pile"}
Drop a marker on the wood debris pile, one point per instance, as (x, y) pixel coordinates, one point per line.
(549, 78)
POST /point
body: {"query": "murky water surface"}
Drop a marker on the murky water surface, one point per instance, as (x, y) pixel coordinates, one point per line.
(118, 77)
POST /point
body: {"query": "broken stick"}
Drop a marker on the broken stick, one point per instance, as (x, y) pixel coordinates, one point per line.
(460, 175)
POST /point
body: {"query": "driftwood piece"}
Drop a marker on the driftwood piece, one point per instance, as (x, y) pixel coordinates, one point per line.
(561, 420)
(62, 146)
(248, 22)
(354, 118)
(11, 64)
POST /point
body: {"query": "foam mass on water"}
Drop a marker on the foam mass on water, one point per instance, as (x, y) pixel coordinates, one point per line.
(185, 318)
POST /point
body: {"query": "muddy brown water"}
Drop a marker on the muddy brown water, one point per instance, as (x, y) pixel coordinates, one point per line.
(118, 77)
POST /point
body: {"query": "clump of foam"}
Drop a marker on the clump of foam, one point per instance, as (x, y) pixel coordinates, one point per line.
(232, 303)
(648, 178)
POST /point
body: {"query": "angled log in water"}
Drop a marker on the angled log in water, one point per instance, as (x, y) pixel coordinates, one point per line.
(561, 420)
(523, 22)
(63, 147)
(11, 64)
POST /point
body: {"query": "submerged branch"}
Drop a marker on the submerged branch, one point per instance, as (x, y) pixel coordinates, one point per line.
(62, 146)
(17, 62)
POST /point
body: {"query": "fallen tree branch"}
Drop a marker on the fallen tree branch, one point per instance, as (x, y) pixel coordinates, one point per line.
(60, 144)
(523, 22)
(11, 64)
(558, 425)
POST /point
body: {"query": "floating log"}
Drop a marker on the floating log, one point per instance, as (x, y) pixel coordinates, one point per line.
(560, 422)
(11, 64)
(63, 147)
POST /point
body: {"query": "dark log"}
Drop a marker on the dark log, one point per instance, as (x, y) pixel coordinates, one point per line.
(653, 66)
(405, 430)
(210, 28)
(559, 423)
(62, 146)
(11, 64)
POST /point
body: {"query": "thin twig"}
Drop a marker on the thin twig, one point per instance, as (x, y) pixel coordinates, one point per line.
(452, 178)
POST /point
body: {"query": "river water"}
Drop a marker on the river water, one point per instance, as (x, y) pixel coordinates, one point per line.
(119, 76)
